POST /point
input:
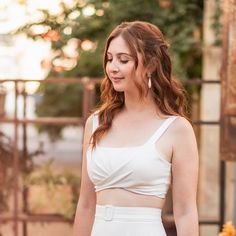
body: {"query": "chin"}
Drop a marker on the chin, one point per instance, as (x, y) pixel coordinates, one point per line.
(118, 89)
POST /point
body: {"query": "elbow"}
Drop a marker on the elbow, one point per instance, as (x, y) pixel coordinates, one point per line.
(183, 210)
(187, 222)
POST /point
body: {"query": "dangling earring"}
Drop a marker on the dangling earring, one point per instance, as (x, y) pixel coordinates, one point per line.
(149, 80)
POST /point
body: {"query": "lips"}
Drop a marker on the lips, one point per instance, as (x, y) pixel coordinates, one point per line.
(117, 78)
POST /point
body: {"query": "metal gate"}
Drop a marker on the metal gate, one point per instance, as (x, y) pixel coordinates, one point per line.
(88, 101)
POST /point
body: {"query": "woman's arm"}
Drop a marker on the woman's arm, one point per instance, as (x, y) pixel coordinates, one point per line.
(185, 178)
(87, 200)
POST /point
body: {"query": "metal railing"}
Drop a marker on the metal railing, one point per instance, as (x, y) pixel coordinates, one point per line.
(88, 103)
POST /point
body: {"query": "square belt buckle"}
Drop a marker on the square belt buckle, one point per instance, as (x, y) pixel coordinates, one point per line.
(109, 212)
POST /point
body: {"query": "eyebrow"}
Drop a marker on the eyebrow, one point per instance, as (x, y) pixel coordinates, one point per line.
(120, 54)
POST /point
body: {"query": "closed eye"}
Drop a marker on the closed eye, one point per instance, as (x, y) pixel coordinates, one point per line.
(124, 61)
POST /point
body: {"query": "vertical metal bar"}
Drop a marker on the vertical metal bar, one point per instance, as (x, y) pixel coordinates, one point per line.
(16, 163)
(222, 193)
(91, 88)
(88, 97)
(85, 102)
(25, 162)
(223, 78)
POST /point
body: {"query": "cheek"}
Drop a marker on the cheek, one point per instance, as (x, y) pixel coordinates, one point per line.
(138, 75)
(107, 69)
(129, 70)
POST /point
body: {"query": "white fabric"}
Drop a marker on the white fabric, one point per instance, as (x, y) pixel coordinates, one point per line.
(127, 221)
(139, 169)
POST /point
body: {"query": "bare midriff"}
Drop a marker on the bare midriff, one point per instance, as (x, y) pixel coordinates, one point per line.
(122, 197)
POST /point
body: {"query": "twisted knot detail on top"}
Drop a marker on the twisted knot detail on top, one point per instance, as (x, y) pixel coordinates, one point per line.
(139, 169)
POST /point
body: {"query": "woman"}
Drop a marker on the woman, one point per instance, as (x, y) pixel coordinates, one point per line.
(137, 143)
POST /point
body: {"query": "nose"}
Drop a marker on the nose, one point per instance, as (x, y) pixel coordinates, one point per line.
(113, 67)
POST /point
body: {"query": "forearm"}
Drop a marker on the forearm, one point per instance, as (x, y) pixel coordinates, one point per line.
(187, 224)
(83, 221)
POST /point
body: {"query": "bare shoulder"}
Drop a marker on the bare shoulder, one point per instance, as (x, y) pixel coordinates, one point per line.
(89, 123)
(182, 128)
(184, 140)
(88, 129)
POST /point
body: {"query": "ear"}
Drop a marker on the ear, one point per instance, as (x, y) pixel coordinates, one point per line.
(146, 73)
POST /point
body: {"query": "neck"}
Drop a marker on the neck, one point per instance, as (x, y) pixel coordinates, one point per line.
(134, 104)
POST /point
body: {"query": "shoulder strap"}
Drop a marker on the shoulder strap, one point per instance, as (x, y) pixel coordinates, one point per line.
(95, 121)
(164, 126)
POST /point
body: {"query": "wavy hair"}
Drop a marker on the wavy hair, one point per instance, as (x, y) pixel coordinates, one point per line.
(146, 39)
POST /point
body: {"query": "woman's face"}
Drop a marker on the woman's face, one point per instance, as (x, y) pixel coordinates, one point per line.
(120, 66)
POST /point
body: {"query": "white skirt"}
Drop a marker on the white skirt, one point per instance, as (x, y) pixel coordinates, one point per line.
(127, 221)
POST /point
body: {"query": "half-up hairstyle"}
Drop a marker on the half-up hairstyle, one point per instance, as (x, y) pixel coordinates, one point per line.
(145, 39)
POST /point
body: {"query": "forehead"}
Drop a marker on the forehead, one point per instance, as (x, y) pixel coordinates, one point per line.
(118, 45)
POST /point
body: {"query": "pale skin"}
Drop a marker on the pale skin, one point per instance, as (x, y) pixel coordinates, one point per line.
(177, 145)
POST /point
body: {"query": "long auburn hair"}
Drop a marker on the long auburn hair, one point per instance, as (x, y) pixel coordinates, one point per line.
(146, 39)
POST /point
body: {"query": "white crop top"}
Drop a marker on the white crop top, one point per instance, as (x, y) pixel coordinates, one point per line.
(139, 169)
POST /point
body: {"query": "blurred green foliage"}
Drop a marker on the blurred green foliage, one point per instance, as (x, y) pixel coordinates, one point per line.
(48, 179)
(180, 21)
